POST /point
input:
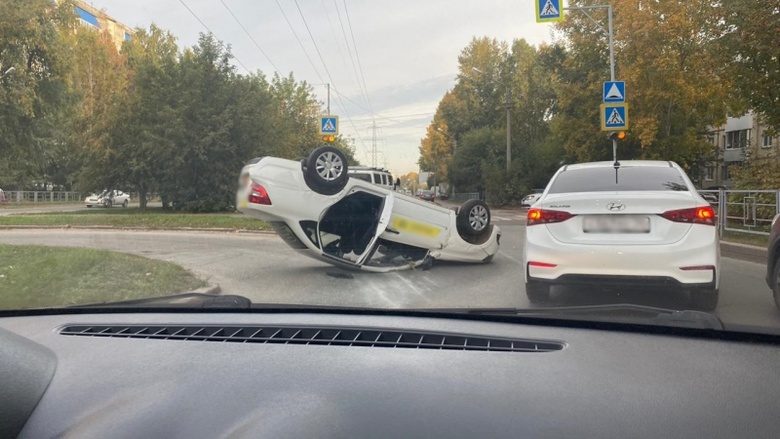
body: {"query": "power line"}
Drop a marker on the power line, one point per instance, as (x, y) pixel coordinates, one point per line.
(339, 94)
(250, 36)
(299, 42)
(357, 55)
(327, 72)
(333, 33)
(362, 88)
(212, 33)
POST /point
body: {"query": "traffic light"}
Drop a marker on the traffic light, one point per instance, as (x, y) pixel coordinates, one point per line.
(617, 135)
(329, 139)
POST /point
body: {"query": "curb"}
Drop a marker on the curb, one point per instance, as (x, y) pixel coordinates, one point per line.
(750, 253)
(137, 229)
(209, 289)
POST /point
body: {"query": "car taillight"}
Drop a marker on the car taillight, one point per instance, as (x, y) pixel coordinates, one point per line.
(696, 215)
(543, 216)
(258, 194)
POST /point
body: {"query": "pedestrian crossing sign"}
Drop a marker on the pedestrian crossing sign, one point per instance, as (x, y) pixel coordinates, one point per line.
(329, 125)
(548, 11)
(614, 117)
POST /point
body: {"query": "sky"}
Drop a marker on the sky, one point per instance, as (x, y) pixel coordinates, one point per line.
(388, 62)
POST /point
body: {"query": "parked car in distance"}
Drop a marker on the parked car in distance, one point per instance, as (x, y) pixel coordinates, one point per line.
(773, 260)
(530, 199)
(642, 224)
(348, 222)
(428, 196)
(108, 198)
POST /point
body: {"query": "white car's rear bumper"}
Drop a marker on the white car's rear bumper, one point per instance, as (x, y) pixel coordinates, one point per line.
(649, 265)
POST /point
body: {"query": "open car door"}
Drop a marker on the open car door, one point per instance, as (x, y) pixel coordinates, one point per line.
(349, 229)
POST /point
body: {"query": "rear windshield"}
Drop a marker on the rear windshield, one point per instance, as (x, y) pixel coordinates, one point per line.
(607, 179)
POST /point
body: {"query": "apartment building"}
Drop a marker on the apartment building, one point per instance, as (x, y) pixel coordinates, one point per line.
(735, 141)
(93, 18)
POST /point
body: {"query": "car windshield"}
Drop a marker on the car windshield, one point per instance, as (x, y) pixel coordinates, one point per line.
(458, 156)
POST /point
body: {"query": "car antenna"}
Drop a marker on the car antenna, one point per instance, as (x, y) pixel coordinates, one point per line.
(616, 166)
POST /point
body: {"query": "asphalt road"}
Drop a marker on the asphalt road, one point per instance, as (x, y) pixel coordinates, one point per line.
(264, 269)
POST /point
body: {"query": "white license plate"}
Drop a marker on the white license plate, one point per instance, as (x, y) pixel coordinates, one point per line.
(616, 224)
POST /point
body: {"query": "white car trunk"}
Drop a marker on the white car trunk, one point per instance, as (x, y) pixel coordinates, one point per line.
(625, 218)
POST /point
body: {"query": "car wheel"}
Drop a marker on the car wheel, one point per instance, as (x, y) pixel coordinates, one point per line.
(89, 205)
(326, 170)
(705, 299)
(776, 286)
(473, 218)
(537, 292)
(125, 203)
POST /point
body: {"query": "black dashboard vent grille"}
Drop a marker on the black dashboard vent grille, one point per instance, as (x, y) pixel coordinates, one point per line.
(311, 335)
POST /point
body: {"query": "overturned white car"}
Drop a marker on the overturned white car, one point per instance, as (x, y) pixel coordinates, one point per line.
(318, 210)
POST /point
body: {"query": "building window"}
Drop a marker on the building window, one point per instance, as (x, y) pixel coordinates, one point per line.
(736, 139)
(726, 173)
(767, 143)
(87, 17)
(709, 172)
(127, 36)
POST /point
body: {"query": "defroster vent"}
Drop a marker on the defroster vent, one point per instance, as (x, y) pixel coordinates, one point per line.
(313, 335)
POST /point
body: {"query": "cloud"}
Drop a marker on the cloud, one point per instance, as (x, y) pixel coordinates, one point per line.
(408, 50)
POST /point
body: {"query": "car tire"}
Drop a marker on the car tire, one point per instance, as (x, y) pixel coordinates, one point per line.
(537, 292)
(705, 299)
(125, 203)
(89, 205)
(473, 218)
(776, 280)
(326, 170)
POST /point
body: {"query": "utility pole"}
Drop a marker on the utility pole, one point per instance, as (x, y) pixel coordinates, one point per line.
(373, 144)
(584, 9)
(508, 97)
(508, 129)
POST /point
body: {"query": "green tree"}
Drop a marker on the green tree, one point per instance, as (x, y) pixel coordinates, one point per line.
(750, 47)
(35, 99)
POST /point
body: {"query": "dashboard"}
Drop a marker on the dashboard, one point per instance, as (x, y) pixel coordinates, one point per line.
(344, 375)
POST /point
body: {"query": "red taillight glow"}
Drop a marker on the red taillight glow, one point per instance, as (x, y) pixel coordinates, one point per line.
(258, 195)
(541, 264)
(542, 216)
(696, 215)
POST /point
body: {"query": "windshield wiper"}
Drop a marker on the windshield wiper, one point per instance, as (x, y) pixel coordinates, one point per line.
(653, 315)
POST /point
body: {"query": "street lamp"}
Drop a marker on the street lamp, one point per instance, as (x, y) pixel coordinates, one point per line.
(8, 72)
(454, 147)
(508, 118)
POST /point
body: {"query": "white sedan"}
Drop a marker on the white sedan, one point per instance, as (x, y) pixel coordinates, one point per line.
(318, 210)
(529, 200)
(639, 223)
(108, 199)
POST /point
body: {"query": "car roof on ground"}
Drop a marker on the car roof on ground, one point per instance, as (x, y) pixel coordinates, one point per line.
(623, 163)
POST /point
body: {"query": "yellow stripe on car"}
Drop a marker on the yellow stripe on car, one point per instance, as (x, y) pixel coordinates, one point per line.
(408, 225)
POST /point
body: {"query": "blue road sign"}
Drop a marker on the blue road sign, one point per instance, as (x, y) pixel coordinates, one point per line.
(329, 125)
(614, 117)
(614, 92)
(548, 11)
